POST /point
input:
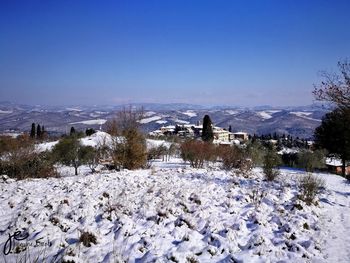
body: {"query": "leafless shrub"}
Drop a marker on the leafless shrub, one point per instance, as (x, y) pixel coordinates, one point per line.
(231, 157)
(256, 197)
(309, 186)
(129, 144)
(197, 152)
(18, 159)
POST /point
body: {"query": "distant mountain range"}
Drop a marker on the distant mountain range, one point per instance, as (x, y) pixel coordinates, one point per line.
(297, 121)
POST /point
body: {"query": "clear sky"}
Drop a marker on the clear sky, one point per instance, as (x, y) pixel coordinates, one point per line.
(215, 52)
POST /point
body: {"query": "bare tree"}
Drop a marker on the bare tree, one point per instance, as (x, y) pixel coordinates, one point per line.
(335, 87)
(129, 144)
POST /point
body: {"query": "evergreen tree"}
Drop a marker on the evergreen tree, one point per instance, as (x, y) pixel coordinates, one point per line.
(72, 131)
(32, 131)
(68, 151)
(89, 131)
(38, 131)
(43, 131)
(230, 128)
(207, 132)
(334, 134)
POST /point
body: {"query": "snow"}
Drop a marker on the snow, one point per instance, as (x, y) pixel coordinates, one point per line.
(149, 113)
(189, 113)
(266, 114)
(286, 150)
(156, 143)
(303, 114)
(231, 112)
(333, 162)
(181, 121)
(97, 139)
(5, 111)
(73, 109)
(45, 146)
(150, 119)
(335, 221)
(94, 115)
(174, 212)
(161, 121)
(11, 134)
(91, 122)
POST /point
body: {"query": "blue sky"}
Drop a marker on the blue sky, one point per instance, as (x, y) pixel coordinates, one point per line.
(244, 53)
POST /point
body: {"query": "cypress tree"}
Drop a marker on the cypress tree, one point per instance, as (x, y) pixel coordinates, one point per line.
(72, 131)
(207, 132)
(43, 131)
(32, 131)
(38, 131)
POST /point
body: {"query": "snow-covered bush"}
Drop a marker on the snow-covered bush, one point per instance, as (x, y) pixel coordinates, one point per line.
(309, 186)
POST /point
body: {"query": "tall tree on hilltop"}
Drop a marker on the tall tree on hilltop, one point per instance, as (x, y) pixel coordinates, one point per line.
(32, 131)
(207, 132)
(38, 131)
(43, 132)
(334, 135)
(72, 131)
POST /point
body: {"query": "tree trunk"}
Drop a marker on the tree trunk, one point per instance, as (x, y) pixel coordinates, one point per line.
(343, 168)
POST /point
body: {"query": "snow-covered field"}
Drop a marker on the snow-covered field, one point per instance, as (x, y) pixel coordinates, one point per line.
(91, 122)
(150, 119)
(189, 113)
(173, 213)
(303, 114)
(5, 111)
(181, 121)
(231, 112)
(266, 114)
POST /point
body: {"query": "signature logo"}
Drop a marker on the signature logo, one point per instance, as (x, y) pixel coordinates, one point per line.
(18, 236)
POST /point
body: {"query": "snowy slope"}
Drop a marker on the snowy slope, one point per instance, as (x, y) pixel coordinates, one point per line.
(98, 139)
(189, 113)
(150, 119)
(336, 220)
(168, 213)
(91, 122)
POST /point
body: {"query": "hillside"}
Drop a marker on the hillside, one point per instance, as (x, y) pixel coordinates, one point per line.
(296, 121)
(174, 213)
